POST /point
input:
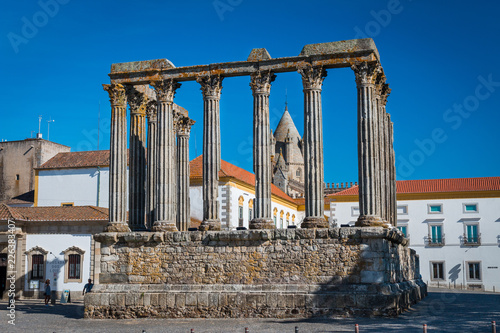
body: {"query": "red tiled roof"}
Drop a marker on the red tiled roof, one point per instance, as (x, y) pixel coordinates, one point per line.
(229, 170)
(438, 185)
(78, 159)
(53, 214)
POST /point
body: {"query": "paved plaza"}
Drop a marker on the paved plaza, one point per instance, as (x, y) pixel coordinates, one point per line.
(442, 311)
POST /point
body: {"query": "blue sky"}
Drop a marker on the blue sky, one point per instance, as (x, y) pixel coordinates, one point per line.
(441, 62)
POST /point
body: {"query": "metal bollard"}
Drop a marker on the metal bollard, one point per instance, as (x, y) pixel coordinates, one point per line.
(425, 328)
(493, 327)
(246, 329)
(356, 328)
(296, 329)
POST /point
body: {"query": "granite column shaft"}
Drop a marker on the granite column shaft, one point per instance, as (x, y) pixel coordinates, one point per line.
(312, 80)
(117, 159)
(261, 87)
(152, 165)
(183, 203)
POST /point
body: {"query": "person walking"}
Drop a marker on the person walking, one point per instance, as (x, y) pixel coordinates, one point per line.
(88, 287)
(47, 292)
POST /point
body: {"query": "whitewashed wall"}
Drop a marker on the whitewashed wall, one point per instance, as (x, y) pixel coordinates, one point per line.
(454, 254)
(54, 269)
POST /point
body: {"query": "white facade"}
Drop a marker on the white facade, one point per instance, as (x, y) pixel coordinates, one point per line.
(459, 247)
(55, 268)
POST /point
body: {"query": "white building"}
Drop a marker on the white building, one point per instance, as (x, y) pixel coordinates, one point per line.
(52, 243)
(453, 224)
(82, 178)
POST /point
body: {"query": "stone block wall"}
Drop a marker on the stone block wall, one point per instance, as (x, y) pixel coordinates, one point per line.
(255, 273)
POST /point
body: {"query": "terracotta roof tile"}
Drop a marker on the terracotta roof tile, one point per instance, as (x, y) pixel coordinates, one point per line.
(438, 185)
(53, 214)
(79, 159)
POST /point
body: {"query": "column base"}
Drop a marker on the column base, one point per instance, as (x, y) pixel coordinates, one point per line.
(314, 222)
(261, 223)
(371, 221)
(209, 225)
(117, 227)
(160, 226)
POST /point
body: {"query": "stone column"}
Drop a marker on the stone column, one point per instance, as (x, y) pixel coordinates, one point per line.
(392, 173)
(386, 168)
(137, 159)
(211, 87)
(165, 159)
(312, 80)
(369, 210)
(380, 146)
(183, 204)
(117, 159)
(261, 87)
(152, 165)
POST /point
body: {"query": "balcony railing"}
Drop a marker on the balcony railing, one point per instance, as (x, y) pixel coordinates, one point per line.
(471, 240)
(435, 241)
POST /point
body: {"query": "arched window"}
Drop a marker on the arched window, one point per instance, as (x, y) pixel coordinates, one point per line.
(240, 210)
(250, 210)
(287, 219)
(37, 257)
(298, 172)
(275, 212)
(73, 263)
(293, 218)
(281, 219)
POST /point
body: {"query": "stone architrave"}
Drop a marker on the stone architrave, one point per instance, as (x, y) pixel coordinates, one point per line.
(137, 159)
(211, 87)
(312, 80)
(261, 87)
(369, 209)
(183, 204)
(117, 159)
(165, 177)
(152, 165)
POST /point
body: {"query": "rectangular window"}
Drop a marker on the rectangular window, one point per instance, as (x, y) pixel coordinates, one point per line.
(354, 211)
(74, 266)
(240, 212)
(404, 230)
(67, 204)
(471, 233)
(281, 223)
(37, 266)
(435, 209)
(437, 271)
(474, 271)
(470, 208)
(274, 220)
(250, 215)
(402, 210)
(436, 235)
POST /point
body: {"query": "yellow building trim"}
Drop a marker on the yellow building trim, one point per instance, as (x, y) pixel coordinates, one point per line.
(250, 189)
(36, 189)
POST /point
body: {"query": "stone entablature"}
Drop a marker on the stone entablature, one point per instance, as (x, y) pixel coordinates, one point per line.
(273, 273)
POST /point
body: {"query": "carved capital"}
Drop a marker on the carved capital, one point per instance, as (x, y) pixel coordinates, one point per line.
(184, 125)
(386, 91)
(151, 110)
(211, 85)
(261, 82)
(312, 76)
(366, 73)
(136, 99)
(176, 116)
(165, 90)
(116, 94)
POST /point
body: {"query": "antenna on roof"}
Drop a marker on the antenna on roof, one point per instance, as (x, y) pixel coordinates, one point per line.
(98, 123)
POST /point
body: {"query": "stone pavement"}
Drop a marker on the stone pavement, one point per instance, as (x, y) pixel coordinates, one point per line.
(442, 311)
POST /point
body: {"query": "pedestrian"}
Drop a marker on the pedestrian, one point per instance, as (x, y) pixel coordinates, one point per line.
(47, 292)
(88, 287)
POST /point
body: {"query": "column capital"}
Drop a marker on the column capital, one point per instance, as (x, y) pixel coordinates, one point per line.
(165, 89)
(151, 110)
(312, 76)
(386, 91)
(211, 85)
(184, 125)
(366, 73)
(136, 99)
(261, 82)
(116, 93)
